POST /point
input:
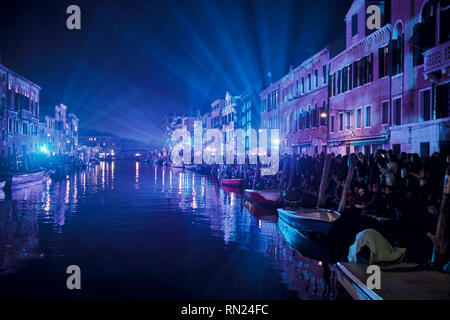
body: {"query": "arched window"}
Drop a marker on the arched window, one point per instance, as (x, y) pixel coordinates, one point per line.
(316, 116)
(323, 113)
(398, 44)
(308, 118)
(424, 32)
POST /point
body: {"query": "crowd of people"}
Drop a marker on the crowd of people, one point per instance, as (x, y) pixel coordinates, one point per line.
(405, 189)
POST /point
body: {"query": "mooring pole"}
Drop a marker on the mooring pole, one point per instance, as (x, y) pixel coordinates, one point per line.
(256, 177)
(292, 164)
(283, 173)
(348, 181)
(324, 181)
(441, 237)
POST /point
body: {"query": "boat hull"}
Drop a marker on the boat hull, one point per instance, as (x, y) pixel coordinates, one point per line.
(310, 220)
(265, 198)
(232, 183)
(19, 181)
(259, 211)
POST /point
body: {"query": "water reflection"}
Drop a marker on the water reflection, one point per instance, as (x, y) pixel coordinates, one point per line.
(300, 261)
(147, 216)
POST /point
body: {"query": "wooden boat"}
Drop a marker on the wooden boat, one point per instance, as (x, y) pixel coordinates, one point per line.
(266, 198)
(231, 189)
(234, 183)
(20, 180)
(310, 220)
(398, 282)
(259, 211)
(315, 249)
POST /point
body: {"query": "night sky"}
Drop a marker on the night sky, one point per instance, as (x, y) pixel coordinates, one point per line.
(135, 61)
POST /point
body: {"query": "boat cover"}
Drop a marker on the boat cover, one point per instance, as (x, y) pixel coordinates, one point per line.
(380, 249)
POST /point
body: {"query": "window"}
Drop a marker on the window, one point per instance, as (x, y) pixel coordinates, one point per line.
(368, 117)
(10, 125)
(348, 120)
(316, 77)
(369, 68)
(397, 112)
(354, 25)
(397, 55)
(296, 87)
(425, 105)
(385, 112)
(324, 74)
(424, 150)
(303, 85)
(397, 149)
(344, 79)
(331, 88)
(341, 122)
(358, 118)
(383, 61)
(309, 82)
(332, 123)
(350, 73)
(322, 112)
(24, 128)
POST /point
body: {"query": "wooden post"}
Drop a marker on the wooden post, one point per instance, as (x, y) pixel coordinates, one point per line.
(256, 177)
(324, 181)
(283, 173)
(348, 180)
(292, 164)
(441, 238)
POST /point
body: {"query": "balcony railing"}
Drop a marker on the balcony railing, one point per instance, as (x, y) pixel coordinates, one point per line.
(25, 114)
(437, 59)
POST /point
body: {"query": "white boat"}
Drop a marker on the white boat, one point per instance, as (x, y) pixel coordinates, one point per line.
(310, 220)
(2, 185)
(22, 180)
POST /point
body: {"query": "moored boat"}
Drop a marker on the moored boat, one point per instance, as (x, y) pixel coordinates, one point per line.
(265, 198)
(232, 189)
(233, 183)
(310, 220)
(2, 184)
(260, 212)
(21, 180)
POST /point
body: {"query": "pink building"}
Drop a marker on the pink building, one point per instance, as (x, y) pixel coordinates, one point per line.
(389, 88)
(419, 104)
(359, 87)
(304, 101)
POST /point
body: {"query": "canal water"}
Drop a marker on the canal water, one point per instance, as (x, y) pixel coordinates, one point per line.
(142, 232)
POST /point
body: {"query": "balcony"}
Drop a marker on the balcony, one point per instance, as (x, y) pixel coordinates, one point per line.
(437, 62)
(25, 114)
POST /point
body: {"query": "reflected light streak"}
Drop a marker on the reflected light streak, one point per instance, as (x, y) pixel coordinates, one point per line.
(67, 191)
(137, 175)
(112, 175)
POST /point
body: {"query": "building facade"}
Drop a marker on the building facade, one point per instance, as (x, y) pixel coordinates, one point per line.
(19, 118)
(304, 107)
(359, 87)
(420, 85)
